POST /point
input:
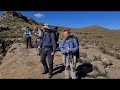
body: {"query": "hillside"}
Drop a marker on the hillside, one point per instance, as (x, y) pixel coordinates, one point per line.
(21, 63)
(99, 50)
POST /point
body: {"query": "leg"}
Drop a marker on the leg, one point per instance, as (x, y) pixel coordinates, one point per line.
(50, 62)
(39, 52)
(27, 40)
(64, 59)
(36, 43)
(30, 42)
(72, 66)
(43, 61)
(74, 60)
(67, 68)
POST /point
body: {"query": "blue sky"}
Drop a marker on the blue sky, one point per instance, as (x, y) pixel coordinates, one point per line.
(77, 19)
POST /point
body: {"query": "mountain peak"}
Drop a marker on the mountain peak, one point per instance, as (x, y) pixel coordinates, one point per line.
(12, 13)
(96, 26)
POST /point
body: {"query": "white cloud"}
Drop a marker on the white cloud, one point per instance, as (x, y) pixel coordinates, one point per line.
(39, 15)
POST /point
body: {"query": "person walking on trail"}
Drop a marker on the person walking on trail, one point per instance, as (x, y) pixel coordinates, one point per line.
(27, 33)
(48, 49)
(69, 47)
(38, 34)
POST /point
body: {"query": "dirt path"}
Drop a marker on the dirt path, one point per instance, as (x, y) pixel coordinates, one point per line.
(21, 63)
(25, 64)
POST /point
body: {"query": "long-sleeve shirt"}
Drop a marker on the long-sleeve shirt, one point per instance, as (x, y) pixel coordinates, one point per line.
(48, 41)
(72, 44)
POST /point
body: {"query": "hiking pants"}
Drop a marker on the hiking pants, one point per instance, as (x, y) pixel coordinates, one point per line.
(28, 41)
(50, 57)
(70, 66)
(38, 42)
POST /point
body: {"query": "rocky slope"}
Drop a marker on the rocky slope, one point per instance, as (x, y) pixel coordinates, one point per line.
(99, 51)
(11, 26)
(21, 63)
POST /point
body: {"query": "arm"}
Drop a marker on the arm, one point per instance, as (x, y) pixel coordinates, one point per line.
(53, 42)
(30, 33)
(62, 47)
(40, 43)
(76, 46)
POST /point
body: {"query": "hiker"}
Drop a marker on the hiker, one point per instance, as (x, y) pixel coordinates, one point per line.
(38, 34)
(48, 48)
(27, 33)
(69, 47)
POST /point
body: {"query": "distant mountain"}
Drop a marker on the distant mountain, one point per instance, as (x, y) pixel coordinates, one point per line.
(94, 28)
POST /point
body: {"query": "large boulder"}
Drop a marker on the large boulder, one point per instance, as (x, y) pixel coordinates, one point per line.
(98, 66)
(85, 60)
(105, 60)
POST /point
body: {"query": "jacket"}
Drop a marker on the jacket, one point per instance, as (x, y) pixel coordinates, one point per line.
(72, 44)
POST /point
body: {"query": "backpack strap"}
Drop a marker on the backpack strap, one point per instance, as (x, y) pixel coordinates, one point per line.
(73, 37)
(64, 41)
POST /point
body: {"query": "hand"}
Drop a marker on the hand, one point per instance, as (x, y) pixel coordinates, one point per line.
(65, 51)
(69, 49)
(52, 53)
(38, 47)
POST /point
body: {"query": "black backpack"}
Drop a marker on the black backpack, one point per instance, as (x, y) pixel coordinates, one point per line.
(54, 30)
(77, 53)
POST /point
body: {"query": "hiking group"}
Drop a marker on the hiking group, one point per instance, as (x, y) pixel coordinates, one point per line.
(47, 43)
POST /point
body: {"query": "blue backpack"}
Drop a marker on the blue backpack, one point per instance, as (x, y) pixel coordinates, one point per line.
(72, 41)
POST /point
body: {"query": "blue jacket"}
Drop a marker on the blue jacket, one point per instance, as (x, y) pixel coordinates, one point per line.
(72, 44)
(48, 42)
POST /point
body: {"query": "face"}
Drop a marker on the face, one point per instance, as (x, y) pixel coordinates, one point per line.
(66, 34)
(46, 29)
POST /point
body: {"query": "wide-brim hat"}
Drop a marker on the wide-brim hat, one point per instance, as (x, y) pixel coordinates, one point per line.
(46, 27)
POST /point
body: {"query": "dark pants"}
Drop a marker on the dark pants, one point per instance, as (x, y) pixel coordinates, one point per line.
(28, 42)
(50, 58)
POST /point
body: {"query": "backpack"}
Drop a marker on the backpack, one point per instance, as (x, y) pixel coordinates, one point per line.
(77, 53)
(54, 30)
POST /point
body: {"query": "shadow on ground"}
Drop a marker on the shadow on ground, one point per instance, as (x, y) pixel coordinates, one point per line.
(83, 69)
(59, 69)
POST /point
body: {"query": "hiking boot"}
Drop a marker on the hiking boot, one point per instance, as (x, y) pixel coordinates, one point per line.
(49, 75)
(45, 70)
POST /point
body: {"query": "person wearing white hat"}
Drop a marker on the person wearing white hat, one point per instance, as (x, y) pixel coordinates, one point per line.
(48, 49)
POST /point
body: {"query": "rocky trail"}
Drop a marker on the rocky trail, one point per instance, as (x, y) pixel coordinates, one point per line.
(21, 63)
